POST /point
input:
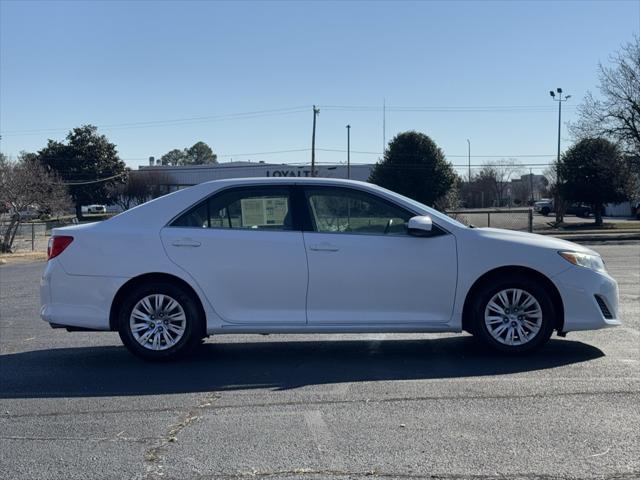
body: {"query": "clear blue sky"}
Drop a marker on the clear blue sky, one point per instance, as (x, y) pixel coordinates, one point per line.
(63, 64)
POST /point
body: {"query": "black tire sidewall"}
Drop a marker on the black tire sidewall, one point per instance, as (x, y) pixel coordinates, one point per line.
(193, 329)
(531, 286)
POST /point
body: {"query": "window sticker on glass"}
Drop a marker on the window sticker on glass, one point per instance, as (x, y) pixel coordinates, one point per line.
(263, 211)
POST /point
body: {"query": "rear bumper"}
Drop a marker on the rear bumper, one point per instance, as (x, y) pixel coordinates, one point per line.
(80, 301)
(579, 287)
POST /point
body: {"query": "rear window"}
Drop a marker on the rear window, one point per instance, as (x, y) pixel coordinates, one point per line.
(253, 209)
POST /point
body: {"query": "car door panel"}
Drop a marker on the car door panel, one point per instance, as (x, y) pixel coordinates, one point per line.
(368, 278)
(248, 276)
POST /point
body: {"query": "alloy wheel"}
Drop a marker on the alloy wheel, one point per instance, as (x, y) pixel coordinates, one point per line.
(157, 322)
(513, 317)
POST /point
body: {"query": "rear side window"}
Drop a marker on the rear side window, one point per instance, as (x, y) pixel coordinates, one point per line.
(253, 209)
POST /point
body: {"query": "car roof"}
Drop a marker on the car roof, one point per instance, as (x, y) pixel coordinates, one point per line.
(290, 181)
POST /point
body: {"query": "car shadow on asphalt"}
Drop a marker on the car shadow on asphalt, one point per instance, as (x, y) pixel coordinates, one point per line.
(112, 371)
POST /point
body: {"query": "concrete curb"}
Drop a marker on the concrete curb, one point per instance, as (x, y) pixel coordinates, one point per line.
(597, 237)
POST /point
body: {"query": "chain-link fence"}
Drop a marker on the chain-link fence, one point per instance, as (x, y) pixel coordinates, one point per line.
(33, 236)
(29, 237)
(511, 219)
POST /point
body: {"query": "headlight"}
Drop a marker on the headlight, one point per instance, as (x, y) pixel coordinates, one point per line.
(593, 262)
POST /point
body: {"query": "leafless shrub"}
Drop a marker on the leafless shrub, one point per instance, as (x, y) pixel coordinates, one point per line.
(26, 186)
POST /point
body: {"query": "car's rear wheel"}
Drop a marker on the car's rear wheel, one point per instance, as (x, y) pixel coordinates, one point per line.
(159, 321)
(513, 314)
(545, 211)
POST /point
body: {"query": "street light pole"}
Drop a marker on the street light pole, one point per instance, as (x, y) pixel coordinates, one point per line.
(559, 100)
(349, 151)
(558, 208)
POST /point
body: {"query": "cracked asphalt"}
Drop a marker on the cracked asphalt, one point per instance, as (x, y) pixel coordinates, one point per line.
(78, 406)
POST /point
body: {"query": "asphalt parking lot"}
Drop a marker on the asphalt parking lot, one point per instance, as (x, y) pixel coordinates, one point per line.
(77, 405)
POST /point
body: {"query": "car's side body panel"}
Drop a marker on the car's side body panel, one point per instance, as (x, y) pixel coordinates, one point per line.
(79, 286)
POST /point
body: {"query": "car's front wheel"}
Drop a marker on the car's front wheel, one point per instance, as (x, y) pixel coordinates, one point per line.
(513, 314)
(159, 321)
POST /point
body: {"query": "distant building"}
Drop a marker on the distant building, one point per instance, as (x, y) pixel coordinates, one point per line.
(177, 177)
(526, 188)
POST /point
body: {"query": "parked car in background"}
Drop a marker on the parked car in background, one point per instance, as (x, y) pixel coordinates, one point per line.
(29, 214)
(95, 209)
(546, 206)
(315, 255)
(543, 206)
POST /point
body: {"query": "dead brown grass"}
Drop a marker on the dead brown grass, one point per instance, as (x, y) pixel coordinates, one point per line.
(22, 257)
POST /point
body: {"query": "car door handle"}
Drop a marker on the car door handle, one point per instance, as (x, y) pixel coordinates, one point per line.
(185, 242)
(323, 247)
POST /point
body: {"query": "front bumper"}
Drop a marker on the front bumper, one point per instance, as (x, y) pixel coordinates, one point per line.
(580, 288)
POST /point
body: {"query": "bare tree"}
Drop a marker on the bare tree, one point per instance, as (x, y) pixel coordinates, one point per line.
(141, 186)
(26, 185)
(616, 115)
(494, 178)
(521, 192)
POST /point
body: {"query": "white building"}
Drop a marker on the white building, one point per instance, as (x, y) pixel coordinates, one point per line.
(176, 177)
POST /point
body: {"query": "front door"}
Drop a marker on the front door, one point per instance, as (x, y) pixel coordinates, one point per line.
(365, 268)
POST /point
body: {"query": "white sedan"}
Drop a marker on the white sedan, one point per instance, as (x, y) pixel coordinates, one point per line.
(314, 256)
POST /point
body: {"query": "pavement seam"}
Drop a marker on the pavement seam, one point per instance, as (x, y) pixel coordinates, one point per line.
(209, 405)
(154, 455)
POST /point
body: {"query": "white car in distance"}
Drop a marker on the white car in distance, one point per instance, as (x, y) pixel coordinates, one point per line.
(315, 255)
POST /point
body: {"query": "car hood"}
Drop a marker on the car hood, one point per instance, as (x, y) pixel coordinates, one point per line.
(531, 239)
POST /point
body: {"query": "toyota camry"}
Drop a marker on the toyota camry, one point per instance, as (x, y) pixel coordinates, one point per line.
(314, 255)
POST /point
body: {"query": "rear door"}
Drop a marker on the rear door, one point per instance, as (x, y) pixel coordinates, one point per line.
(365, 268)
(244, 249)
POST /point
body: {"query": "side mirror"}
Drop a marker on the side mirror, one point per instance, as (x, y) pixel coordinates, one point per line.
(420, 226)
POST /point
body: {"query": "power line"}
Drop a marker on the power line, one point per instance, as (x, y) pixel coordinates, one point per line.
(231, 155)
(452, 156)
(170, 122)
(70, 184)
(479, 108)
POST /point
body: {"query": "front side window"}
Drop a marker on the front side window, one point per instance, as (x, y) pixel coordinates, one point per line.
(339, 210)
(254, 209)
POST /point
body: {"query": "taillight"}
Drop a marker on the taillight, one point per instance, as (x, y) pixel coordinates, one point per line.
(57, 245)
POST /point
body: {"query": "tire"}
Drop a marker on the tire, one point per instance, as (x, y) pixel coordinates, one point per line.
(545, 211)
(530, 331)
(168, 314)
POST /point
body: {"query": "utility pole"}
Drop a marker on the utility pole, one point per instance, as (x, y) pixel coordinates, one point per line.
(384, 125)
(316, 111)
(469, 152)
(349, 151)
